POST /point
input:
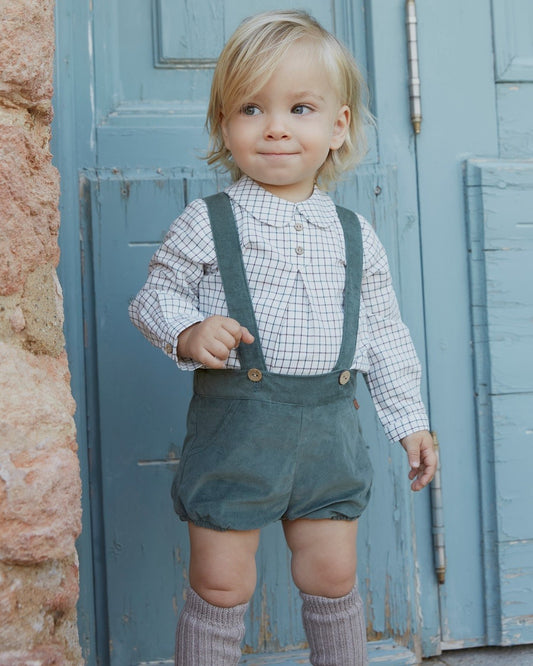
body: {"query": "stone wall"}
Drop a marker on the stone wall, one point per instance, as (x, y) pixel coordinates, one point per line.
(40, 488)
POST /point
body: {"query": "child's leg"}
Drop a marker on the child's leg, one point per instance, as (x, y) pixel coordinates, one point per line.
(324, 560)
(222, 575)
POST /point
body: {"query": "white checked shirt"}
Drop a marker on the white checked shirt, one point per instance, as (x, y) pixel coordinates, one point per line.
(294, 257)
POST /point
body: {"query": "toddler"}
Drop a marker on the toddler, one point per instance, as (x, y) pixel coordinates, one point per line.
(277, 298)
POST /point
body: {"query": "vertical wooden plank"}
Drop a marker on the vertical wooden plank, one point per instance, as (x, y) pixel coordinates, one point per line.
(384, 538)
(456, 54)
(72, 144)
(387, 71)
(500, 204)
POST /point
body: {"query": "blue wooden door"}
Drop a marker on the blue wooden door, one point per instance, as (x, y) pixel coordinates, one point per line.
(132, 86)
(475, 194)
(153, 65)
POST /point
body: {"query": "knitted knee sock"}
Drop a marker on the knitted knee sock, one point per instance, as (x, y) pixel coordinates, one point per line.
(335, 629)
(208, 635)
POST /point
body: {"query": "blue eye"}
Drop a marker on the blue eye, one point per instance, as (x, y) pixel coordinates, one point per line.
(249, 110)
(300, 109)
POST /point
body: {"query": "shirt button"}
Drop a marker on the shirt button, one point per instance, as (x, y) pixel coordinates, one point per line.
(298, 226)
(344, 377)
(299, 250)
(168, 348)
(255, 375)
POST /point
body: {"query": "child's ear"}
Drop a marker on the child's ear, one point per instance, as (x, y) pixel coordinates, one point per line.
(340, 128)
(224, 129)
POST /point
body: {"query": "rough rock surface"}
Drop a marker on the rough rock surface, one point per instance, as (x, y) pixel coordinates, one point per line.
(40, 489)
(39, 472)
(29, 191)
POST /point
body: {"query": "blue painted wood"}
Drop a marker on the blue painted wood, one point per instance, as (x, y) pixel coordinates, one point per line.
(500, 201)
(139, 447)
(385, 20)
(515, 108)
(513, 41)
(72, 144)
(459, 109)
(379, 652)
(142, 131)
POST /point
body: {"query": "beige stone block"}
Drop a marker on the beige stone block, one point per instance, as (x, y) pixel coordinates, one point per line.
(29, 192)
(42, 309)
(37, 606)
(40, 488)
(44, 655)
(34, 318)
(26, 53)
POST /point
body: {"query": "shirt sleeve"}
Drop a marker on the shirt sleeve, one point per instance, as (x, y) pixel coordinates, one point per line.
(168, 302)
(394, 372)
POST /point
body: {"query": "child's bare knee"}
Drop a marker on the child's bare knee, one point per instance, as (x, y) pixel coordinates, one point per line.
(322, 576)
(222, 569)
(224, 586)
(224, 597)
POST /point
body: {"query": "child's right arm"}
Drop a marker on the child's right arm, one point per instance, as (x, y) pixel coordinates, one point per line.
(167, 309)
(168, 302)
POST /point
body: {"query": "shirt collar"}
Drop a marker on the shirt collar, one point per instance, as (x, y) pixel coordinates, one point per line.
(318, 209)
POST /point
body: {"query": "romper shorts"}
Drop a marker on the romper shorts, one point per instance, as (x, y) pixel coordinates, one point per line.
(260, 446)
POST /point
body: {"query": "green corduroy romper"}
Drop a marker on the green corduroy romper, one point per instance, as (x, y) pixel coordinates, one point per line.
(261, 446)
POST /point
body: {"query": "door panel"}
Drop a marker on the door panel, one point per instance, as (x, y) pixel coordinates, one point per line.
(459, 110)
(500, 201)
(142, 410)
(150, 95)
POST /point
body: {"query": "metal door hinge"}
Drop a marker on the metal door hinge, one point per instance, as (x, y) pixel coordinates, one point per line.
(437, 512)
(414, 74)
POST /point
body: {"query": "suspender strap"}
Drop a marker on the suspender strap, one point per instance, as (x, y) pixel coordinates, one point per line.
(352, 287)
(235, 283)
(233, 274)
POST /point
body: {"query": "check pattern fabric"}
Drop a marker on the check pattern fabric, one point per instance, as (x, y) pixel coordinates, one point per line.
(294, 258)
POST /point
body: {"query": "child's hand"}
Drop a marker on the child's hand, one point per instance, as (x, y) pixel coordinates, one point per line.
(210, 341)
(422, 458)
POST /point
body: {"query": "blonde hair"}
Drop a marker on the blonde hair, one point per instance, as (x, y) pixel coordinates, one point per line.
(247, 62)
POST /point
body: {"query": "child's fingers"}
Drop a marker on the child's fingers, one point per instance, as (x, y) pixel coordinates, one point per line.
(208, 359)
(223, 335)
(227, 338)
(413, 455)
(246, 336)
(236, 331)
(430, 460)
(422, 458)
(428, 465)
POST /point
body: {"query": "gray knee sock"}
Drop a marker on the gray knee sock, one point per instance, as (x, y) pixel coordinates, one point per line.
(335, 629)
(208, 635)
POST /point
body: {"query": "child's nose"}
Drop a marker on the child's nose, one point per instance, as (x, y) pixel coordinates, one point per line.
(276, 127)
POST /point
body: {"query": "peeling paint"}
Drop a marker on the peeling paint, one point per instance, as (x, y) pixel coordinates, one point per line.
(265, 633)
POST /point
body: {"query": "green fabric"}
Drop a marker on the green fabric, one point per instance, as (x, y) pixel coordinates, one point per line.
(284, 447)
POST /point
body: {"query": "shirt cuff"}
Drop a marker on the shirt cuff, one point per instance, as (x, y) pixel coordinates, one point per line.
(414, 423)
(169, 346)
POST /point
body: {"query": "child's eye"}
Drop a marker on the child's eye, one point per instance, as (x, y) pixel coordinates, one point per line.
(301, 109)
(249, 110)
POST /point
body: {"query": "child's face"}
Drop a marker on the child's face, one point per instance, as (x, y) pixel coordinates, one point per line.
(282, 135)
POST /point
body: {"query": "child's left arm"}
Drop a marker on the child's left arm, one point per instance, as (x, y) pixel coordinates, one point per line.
(394, 372)
(422, 458)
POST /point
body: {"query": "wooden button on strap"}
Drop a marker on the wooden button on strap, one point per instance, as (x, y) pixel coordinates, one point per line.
(344, 377)
(255, 375)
